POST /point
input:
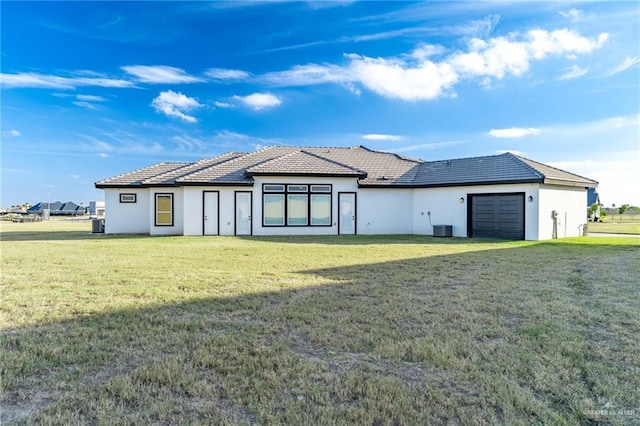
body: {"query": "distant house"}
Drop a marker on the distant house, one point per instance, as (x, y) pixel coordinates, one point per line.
(593, 198)
(96, 209)
(325, 191)
(57, 208)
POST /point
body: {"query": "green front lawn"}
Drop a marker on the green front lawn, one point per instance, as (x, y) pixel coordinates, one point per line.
(614, 227)
(316, 330)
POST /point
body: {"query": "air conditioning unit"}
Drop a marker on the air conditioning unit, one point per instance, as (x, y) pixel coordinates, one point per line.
(442, 230)
(97, 226)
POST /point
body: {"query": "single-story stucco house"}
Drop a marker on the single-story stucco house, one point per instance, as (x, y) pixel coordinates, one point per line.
(327, 191)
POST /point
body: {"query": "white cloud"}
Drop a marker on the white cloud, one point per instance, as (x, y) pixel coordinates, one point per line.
(223, 104)
(188, 143)
(13, 133)
(387, 34)
(227, 74)
(160, 74)
(395, 78)
(418, 76)
(259, 101)
(574, 72)
(425, 51)
(176, 105)
(306, 75)
(542, 43)
(513, 132)
(74, 176)
(628, 63)
(235, 140)
(103, 155)
(494, 58)
(574, 15)
(381, 137)
(83, 104)
(477, 28)
(47, 81)
(90, 98)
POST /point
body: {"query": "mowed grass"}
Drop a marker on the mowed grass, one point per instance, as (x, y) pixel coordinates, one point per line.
(316, 330)
(617, 224)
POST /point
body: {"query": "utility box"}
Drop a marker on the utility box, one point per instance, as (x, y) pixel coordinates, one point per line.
(443, 230)
(97, 226)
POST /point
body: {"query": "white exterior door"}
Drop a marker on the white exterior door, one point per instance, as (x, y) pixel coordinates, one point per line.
(347, 213)
(243, 213)
(210, 212)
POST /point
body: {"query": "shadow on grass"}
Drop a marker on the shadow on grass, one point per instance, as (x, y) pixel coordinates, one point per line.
(540, 333)
(63, 236)
(348, 240)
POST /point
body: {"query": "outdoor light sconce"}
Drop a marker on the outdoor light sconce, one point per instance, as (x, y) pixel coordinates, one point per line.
(530, 198)
(461, 200)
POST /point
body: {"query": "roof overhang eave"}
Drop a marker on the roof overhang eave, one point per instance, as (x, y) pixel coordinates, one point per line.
(115, 186)
(359, 175)
(561, 182)
(478, 183)
(135, 186)
(387, 185)
(219, 183)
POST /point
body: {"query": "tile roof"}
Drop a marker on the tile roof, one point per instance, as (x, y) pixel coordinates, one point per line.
(170, 177)
(382, 168)
(372, 168)
(232, 172)
(495, 169)
(554, 175)
(303, 163)
(136, 177)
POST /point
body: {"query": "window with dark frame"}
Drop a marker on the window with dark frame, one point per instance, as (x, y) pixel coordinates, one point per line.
(128, 198)
(164, 210)
(296, 205)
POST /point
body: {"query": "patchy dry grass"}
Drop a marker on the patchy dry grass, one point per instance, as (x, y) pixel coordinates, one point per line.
(614, 227)
(617, 224)
(316, 330)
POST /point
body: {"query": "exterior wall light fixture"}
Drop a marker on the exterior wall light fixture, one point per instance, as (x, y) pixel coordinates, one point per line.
(461, 200)
(530, 198)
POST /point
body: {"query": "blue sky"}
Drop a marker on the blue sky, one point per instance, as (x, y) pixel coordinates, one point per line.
(94, 89)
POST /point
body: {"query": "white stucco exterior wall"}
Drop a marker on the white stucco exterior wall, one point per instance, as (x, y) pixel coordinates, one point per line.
(385, 211)
(193, 208)
(379, 210)
(571, 205)
(446, 208)
(126, 218)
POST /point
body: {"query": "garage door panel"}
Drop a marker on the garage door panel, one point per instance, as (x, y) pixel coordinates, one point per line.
(509, 208)
(509, 217)
(485, 216)
(497, 216)
(485, 225)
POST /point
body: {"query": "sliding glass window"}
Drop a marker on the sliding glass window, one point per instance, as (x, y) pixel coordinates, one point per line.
(300, 204)
(273, 210)
(320, 209)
